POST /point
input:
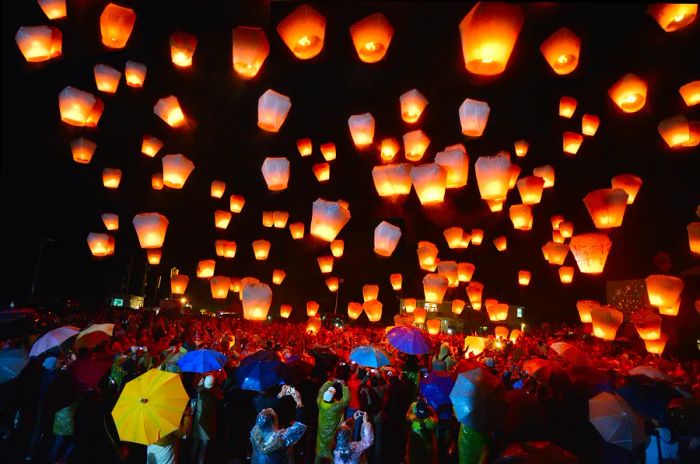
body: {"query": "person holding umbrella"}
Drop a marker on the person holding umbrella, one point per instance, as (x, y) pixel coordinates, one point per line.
(330, 413)
(272, 445)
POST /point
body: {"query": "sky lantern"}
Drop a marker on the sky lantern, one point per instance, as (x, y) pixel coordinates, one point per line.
(501, 332)
(589, 124)
(514, 174)
(477, 236)
(414, 144)
(495, 205)
(285, 311)
(388, 148)
(458, 306)
(465, 271)
(566, 229)
(150, 145)
(450, 270)
(354, 310)
(524, 278)
(236, 203)
(100, 244)
(168, 109)
(275, 170)
(39, 43)
(82, 150)
(567, 106)
(474, 345)
(53, 9)
(176, 169)
(555, 253)
(396, 281)
(648, 323)
(392, 179)
(182, 47)
(675, 131)
(412, 105)
(322, 171)
(361, 129)
(663, 290)
(606, 207)
(79, 108)
(694, 134)
(273, 108)
(590, 252)
(178, 284)
(267, 219)
(434, 287)
(305, 147)
(561, 50)
(151, 229)
(386, 238)
(671, 310)
(111, 221)
(497, 311)
(690, 93)
(493, 176)
(217, 188)
(261, 249)
(456, 163)
(332, 283)
(694, 237)
(278, 276)
(453, 237)
(606, 320)
(427, 255)
(135, 74)
(566, 274)
(244, 282)
(157, 181)
(545, 172)
(530, 189)
(279, 219)
(370, 292)
(475, 291)
(312, 308)
(256, 301)
(409, 305)
(337, 248)
(219, 286)
(629, 183)
(222, 219)
(521, 217)
(556, 220)
(236, 286)
(327, 219)
(629, 93)
(116, 24)
(473, 116)
(488, 33)
(297, 230)
(584, 308)
(111, 177)
(325, 264)
(371, 36)
(656, 346)
(106, 78)
(556, 237)
(521, 147)
(514, 335)
(429, 180)
(501, 243)
(673, 16)
(249, 50)
(225, 248)
(303, 31)
(328, 151)
(313, 325)
(433, 326)
(571, 142)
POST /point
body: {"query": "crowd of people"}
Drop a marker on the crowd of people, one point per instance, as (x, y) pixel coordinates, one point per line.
(329, 409)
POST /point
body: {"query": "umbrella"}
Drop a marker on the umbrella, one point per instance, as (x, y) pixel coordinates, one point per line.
(326, 359)
(476, 398)
(369, 356)
(536, 452)
(616, 421)
(296, 371)
(436, 390)
(409, 340)
(150, 407)
(546, 372)
(12, 361)
(88, 372)
(588, 380)
(465, 365)
(53, 339)
(260, 371)
(201, 361)
(651, 372)
(571, 353)
(94, 335)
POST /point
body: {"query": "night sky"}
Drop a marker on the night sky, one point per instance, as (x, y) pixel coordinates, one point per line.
(47, 195)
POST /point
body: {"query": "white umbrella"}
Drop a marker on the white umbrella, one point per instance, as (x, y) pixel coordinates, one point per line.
(94, 335)
(616, 421)
(651, 372)
(52, 339)
(571, 353)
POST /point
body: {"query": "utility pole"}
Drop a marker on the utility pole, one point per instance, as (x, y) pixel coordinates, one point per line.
(127, 289)
(155, 293)
(38, 266)
(335, 310)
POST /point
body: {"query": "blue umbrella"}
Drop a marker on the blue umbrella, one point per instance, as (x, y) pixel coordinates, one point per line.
(201, 361)
(477, 399)
(12, 361)
(369, 356)
(260, 371)
(436, 390)
(409, 340)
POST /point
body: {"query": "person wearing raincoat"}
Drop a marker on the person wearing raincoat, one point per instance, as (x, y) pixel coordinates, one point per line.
(330, 414)
(473, 446)
(351, 452)
(204, 418)
(443, 361)
(272, 445)
(421, 448)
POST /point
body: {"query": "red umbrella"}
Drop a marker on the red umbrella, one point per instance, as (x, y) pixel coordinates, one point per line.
(88, 371)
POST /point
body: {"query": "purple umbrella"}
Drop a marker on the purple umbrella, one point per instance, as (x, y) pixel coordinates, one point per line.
(409, 340)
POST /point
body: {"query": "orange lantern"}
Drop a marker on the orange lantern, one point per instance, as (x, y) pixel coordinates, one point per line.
(477, 236)
(514, 335)
(53, 9)
(409, 305)
(589, 124)
(273, 108)
(327, 219)
(267, 219)
(585, 307)
(433, 326)
(530, 189)
(107, 78)
(219, 286)
(217, 188)
(249, 51)
(656, 346)
(675, 131)
(311, 308)
(450, 270)
(313, 326)
(648, 323)
(557, 237)
(546, 173)
(285, 311)
(566, 229)
(256, 301)
(278, 276)
(561, 50)
(456, 163)
(261, 249)
(412, 105)
(501, 332)
(629, 183)
(671, 310)
(514, 173)
(354, 310)
(521, 217)
(150, 145)
(419, 315)
(427, 255)
(303, 31)
(157, 181)
(690, 93)
(396, 281)
(322, 171)
(244, 282)
(434, 287)
(304, 146)
(236, 286)
(694, 237)
(279, 219)
(673, 16)
(176, 169)
(474, 345)
(236, 203)
(182, 47)
(79, 108)
(116, 24)
(606, 320)
(325, 263)
(414, 144)
(371, 37)
(524, 278)
(276, 173)
(135, 74)
(111, 177)
(663, 290)
(629, 93)
(567, 106)
(392, 179)
(429, 181)
(495, 205)
(694, 134)
(473, 116)
(465, 271)
(39, 43)
(168, 109)
(458, 306)
(571, 142)
(178, 284)
(590, 252)
(328, 151)
(151, 229)
(297, 230)
(111, 221)
(521, 147)
(557, 219)
(488, 34)
(501, 243)
(100, 244)
(337, 248)
(453, 237)
(221, 219)
(361, 129)
(82, 150)
(388, 149)
(370, 292)
(566, 274)
(493, 176)
(606, 207)
(333, 283)
(225, 248)
(555, 253)
(497, 311)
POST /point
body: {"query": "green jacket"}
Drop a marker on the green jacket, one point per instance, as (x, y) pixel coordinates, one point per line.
(421, 448)
(64, 420)
(330, 415)
(473, 446)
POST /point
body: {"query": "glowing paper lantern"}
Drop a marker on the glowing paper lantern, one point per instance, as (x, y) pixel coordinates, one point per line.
(501, 243)
(434, 287)
(236, 286)
(694, 237)
(106, 78)
(433, 326)
(663, 290)
(116, 24)
(273, 108)
(111, 221)
(261, 249)
(465, 271)
(322, 171)
(449, 269)
(453, 237)
(501, 332)
(79, 108)
(521, 147)
(249, 51)
(427, 255)
(354, 310)
(219, 286)
(648, 323)
(236, 203)
(151, 229)
(590, 252)
(225, 248)
(673, 16)
(493, 176)
(285, 311)
(157, 181)
(473, 116)
(178, 284)
(328, 151)
(414, 144)
(458, 306)
(671, 310)
(512, 180)
(629, 183)
(530, 189)
(276, 173)
(150, 145)
(111, 177)
(412, 105)
(474, 345)
(182, 47)
(327, 219)
(488, 34)
(555, 253)
(606, 207)
(477, 236)
(205, 268)
(629, 93)
(278, 276)
(82, 150)
(333, 283)
(53, 9)
(304, 146)
(675, 131)
(392, 179)
(571, 142)
(585, 307)
(297, 230)
(566, 229)
(524, 278)
(694, 134)
(303, 31)
(388, 149)
(100, 244)
(656, 346)
(325, 263)
(370, 292)
(497, 311)
(39, 43)
(430, 181)
(567, 106)
(561, 50)
(168, 109)
(690, 93)
(419, 315)
(566, 274)
(371, 37)
(244, 282)
(589, 124)
(279, 219)
(135, 74)
(256, 301)
(514, 335)
(313, 326)
(546, 173)
(606, 320)
(557, 237)
(521, 217)
(456, 163)
(557, 219)
(311, 308)
(337, 248)
(396, 281)
(176, 169)
(217, 188)
(221, 219)
(361, 129)
(409, 305)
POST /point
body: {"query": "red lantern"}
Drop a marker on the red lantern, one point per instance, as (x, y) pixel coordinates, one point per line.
(182, 47)
(249, 51)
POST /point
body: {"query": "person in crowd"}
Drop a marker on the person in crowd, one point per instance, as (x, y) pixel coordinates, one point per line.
(421, 443)
(348, 451)
(443, 360)
(272, 444)
(204, 418)
(330, 413)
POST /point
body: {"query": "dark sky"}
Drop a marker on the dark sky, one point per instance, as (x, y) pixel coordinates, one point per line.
(46, 194)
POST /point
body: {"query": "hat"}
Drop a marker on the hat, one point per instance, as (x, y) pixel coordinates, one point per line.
(50, 363)
(329, 394)
(208, 382)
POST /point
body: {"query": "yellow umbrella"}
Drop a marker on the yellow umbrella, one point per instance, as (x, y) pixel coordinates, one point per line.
(150, 407)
